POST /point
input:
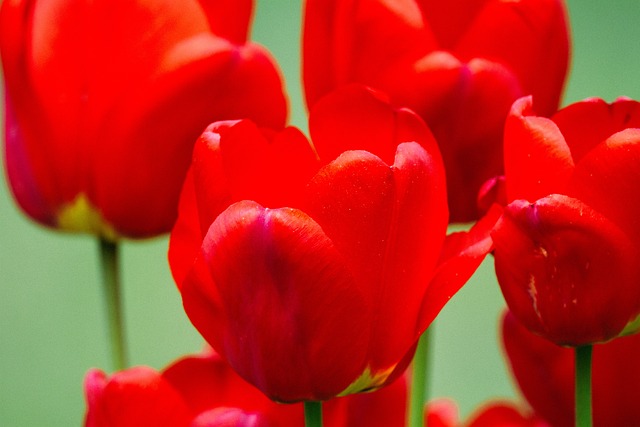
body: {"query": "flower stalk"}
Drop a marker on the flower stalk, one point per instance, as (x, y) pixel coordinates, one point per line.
(313, 414)
(109, 260)
(419, 383)
(583, 386)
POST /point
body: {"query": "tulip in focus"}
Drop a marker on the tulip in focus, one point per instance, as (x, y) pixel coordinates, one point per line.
(104, 100)
(566, 248)
(544, 372)
(458, 64)
(314, 277)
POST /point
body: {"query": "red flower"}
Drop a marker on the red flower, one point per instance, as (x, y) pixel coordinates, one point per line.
(505, 414)
(105, 98)
(566, 248)
(544, 373)
(194, 391)
(315, 281)
(444, 413)
(203, 391)
(458, 64)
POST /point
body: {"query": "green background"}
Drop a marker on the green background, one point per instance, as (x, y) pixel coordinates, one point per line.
(51, 313)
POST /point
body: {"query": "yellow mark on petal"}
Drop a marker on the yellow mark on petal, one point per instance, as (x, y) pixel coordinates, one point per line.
(368, 381)
(632, 327)
(80, 216)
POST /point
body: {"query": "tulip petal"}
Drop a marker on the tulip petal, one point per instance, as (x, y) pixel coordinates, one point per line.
(534, 147)
(230, 417)
(588, 123)
(537, 364)
(281, 293)
(465, 105)
(505, 414)
(450, 19)
(241, 82)
(21, 174)
(207, 381)
(389, 224)
(232, 161)
(461, 255)
(562, 266)
(544, 373)
(528, 37)
(608, 178)
(137, 397)
(359, 118)
(229, 19)
(98, 118)
(349, 41)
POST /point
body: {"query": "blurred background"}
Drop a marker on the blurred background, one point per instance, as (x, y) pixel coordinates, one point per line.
(52, 320)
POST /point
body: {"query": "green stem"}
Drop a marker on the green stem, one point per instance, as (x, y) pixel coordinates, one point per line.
(313, 414)
(113, 301)
(583, 386)
(419, 383)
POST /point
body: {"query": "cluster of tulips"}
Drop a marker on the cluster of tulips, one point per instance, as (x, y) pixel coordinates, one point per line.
(312, 265)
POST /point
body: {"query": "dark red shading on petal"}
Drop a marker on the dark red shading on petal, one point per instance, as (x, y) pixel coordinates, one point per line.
(469, 131)
(493, 191)
(562, 266)
(20, 172)
(275, 271)
(537, 160)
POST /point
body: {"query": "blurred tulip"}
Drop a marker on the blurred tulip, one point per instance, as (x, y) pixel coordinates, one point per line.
(203, 391)
(105, 98)
(544, 373)
(444, 413)
(459, 64)
(566, 248)
(195, 391)
(315, 278)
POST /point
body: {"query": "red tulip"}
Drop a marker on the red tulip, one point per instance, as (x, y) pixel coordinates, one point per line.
(444, 413)
(505, 414)
(203, 391)
(195, 391)
(315, 278)
(105, 98)
(544, 373)
(458, 64)
(566, 248)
